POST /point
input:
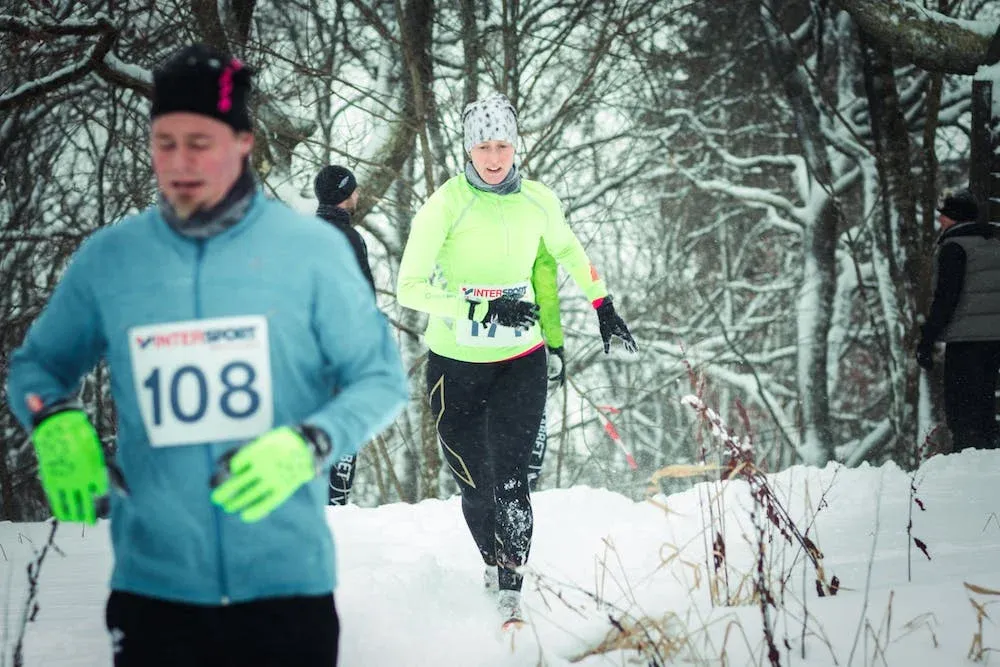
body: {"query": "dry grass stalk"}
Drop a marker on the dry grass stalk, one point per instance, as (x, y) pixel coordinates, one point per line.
(742, 466)
(31, 607)
(645, 636)
(925, 620)
(921, 449)
(666, 561)
(881, 637)
(658, 640)
(978, 650)
(769, 515)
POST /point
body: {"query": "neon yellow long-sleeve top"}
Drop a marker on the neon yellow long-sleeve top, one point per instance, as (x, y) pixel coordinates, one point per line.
(544, 278)
(466, 247)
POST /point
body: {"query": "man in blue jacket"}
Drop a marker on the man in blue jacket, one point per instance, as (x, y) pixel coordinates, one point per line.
(227, 328)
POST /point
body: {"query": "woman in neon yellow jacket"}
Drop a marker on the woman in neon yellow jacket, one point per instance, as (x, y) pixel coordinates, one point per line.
(468, 263)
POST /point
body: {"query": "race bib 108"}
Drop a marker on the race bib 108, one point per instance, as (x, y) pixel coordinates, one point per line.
(477, 334)
(203, 380)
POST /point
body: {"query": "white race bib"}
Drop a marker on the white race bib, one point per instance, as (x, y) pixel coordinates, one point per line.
(476, 334)
(203, 380)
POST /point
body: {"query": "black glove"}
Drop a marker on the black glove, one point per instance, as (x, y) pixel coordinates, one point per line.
(557, 366)
(509, 312)
(925, 354)
(613, 325)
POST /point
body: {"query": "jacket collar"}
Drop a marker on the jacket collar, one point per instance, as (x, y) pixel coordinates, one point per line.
(335, 214)
(964, 229)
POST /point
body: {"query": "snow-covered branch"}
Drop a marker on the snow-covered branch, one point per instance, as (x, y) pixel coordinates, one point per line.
(854, 452)
(116, 71)
(29, 29)
(749, 194)
(930, 40)
(98, 58)
(764, 160)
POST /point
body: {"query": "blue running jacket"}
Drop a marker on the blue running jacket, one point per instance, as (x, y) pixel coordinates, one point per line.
(209, 344)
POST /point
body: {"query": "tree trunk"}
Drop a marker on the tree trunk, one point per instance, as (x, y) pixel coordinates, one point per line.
(6, 484)
(415, 80)
(470, 49)
(209, 24)
(900, 249)
(415, 25)
(819, 240)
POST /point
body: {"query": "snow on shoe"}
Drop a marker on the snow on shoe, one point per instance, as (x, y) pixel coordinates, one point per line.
(509, 606)
(491, 578)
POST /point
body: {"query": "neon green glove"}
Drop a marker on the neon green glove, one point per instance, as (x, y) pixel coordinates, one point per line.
(71, 465)
(264, 473)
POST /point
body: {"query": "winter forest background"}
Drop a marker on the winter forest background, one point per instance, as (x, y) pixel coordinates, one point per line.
(755, 179)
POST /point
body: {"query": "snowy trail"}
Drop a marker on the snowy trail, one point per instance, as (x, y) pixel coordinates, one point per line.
(411, 583)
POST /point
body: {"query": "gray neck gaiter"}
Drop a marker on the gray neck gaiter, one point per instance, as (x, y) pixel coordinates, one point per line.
(509, 185)
(206, 224)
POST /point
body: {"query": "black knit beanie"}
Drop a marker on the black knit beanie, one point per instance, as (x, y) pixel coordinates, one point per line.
(203, 80)
(334, 184)
(960, 206)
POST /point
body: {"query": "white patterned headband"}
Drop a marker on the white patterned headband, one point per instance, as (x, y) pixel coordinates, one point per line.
(490, 119)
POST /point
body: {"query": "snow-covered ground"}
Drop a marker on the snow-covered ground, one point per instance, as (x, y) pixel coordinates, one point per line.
(411, 584)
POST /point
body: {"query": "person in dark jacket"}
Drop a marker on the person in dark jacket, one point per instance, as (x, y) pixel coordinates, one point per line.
(337, 191)
(965, 315)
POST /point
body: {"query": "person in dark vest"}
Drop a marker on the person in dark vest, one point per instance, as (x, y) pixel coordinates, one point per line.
(965, 315)
(337, 191)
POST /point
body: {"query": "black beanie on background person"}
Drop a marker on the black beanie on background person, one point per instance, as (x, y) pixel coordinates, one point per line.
(203, 80)
(960, 206)
(334, 184)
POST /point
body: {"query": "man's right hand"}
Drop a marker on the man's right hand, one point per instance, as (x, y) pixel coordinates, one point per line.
(70, 465)
(261, 475)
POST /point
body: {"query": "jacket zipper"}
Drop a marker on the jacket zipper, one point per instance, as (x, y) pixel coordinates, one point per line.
(506, 227)
(216, 516)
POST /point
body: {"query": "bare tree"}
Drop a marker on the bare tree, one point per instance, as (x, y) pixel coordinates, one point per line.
(742, 174)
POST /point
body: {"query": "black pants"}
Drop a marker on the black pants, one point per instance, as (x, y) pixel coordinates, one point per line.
(970, 385)
(342, 479)
(487, 420)
(148, 632)
(342, 472)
